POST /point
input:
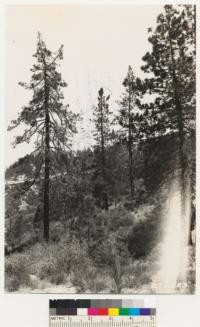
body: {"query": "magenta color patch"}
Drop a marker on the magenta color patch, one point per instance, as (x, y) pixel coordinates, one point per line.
(92, 312)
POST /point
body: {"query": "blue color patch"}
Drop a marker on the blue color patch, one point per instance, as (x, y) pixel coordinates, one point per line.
(134, 311)
(145, 312)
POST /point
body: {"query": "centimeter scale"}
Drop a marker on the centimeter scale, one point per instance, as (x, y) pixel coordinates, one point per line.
(102, 321)
(101, 313)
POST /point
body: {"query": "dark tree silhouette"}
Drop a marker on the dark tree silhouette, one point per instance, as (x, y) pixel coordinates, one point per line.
(129, 117)
(172, 62)
(101, 135)
(50, 124)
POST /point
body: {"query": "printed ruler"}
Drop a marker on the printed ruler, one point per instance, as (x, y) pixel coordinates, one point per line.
(135, 312)
(104, 321)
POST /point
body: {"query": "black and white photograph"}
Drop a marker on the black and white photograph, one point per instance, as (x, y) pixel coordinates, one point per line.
(100, 149)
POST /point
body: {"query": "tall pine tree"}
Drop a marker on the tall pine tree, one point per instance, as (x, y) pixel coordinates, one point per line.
(129, 118)
(101, 134)
(172, 63)
(50, 124)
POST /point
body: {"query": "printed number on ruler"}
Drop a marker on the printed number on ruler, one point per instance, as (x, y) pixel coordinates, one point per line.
(81, 321)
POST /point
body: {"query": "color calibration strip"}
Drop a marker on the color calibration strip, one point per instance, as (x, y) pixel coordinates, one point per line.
(102, 312)
(99, 308)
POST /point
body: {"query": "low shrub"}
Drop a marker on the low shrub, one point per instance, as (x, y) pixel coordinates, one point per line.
(12, 284)
(101, 284)
(55, 261)
(58, 278)
(17, 272)
(137, 274)
(46, 269)
(83, 275)
(87, 277)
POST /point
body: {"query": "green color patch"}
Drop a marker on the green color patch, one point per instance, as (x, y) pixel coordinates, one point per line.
(123, 312)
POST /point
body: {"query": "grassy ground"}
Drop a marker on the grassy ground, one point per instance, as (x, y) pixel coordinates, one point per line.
(65, 267)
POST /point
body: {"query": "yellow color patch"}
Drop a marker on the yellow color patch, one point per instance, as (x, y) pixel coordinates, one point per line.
(113, 312)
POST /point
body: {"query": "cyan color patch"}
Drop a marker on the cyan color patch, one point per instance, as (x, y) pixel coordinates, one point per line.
(134, 311)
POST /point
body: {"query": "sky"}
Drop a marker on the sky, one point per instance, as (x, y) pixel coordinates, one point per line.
(99, 44)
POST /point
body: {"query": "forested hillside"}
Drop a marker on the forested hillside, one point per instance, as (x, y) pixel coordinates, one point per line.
(95, 219)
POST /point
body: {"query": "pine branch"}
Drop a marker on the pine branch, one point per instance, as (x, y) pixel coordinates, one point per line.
(26, 138)
(32, 182)
(54, 122)
(57, 56)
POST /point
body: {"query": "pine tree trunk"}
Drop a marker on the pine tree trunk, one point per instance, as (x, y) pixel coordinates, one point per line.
(146, 158)
(47, 166)
(103, 160)
(179, 116)
(130, 147)
(105, 200)
(183, 163)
